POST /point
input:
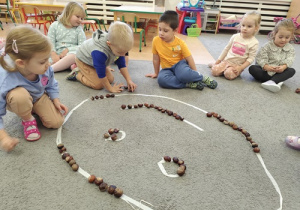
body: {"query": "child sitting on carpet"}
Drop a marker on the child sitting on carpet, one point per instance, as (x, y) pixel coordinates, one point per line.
(27, 84)
(95, 55)
(275, 58)
(240, 51)
(66, 35)
(174, 57)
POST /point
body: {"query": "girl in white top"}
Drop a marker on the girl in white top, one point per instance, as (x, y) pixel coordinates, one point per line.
(241, 50)
(66, 36)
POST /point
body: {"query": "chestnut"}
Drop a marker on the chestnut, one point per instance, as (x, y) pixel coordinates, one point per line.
(118, 192)
(177, 117)
(181, 171)
(215, 114)
(69, 158)
(113, 137)
(146, 104)
(235, 127)
(297, 90)
(111, 189)
(97, 97)
(111, 131)
(59, 146)
(151, 105)
(254, 145)
(92, 98)
(209, 114)
(256, 150)
(103, 187)
(221, 119)
(65, 155)
(180, 162)
(91, 178)
(123, 106)
(129, 106)
(62, 150)
(107, 95)
(106, 135)
(175, 159)
(248, 138)
(98, 181)
(167, 158)
(116, 130)
(135, 106)
(112, 95)
(72, 162)
(75, 167)
(225, 122)
(140, 105)
(101, 96)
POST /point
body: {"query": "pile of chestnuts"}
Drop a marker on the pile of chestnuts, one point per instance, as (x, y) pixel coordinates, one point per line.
(158, 108)
(67, 157)
(112, 133)
(235, 127)
(182, 167)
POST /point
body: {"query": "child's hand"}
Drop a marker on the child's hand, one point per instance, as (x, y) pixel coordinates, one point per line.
(217, 62)
(269, 68)
(131, 86)
(54, 58)
(108, 68)
(151, 75)
(60, 107)
(64, 53)
(117, 88)
(280, 69)
(8, 143)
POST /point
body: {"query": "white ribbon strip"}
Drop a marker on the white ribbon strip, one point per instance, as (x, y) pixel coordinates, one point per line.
(271, 178)
(138, 204)
(163, 170)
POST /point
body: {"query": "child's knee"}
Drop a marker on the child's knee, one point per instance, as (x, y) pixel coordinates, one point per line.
(57, 123)
(230, 75)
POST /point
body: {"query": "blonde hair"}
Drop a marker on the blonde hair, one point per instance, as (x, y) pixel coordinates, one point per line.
(28, 41)
(120, 35)
(71, 9)
(255, 16)
(287, 24)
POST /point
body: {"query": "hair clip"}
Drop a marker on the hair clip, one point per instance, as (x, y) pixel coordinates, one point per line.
(14, 46)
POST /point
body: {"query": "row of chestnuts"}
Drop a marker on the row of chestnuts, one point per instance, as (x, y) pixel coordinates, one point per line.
(182, 167)
(112, 134)
(67, 157)
(102, 96)
(235, 127)
(158, 108)
(111, 189)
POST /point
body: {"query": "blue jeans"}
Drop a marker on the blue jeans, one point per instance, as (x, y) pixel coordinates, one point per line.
(178, 76)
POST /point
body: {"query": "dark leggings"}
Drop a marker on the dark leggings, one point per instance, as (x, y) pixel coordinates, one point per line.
(259, 74)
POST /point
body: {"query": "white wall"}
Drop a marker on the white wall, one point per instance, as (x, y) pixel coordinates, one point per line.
(171, 4)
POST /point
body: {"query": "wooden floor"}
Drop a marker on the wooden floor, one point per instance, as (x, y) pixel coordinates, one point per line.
(199, 52)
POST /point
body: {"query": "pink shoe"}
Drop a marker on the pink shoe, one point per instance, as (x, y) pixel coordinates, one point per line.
(73, 66)
(34, 129)
(293, 142)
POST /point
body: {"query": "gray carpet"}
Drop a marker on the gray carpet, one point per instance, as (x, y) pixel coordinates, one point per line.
(222, 170)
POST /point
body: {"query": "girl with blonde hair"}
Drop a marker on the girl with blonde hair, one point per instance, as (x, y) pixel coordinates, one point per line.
(66, 35)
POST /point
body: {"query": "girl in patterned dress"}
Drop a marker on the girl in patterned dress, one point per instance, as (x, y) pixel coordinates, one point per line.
(66, 35)
(275, 58)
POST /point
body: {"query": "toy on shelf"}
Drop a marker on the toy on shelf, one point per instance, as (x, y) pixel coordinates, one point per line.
(230, 22)
(191, 6)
